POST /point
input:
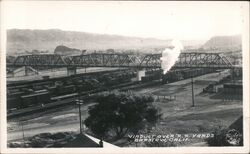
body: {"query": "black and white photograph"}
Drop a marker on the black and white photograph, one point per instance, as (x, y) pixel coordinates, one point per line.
(124, 75)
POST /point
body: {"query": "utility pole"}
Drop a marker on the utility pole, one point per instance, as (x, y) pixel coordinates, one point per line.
(21, 123)
(79, 103)
(192, 83)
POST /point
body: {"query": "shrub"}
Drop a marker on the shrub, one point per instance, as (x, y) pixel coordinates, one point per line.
(225, 137)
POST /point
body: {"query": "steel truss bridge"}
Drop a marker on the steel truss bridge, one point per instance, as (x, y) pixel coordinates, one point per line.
(185, 60)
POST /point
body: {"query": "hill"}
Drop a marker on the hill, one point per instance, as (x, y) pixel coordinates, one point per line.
(63, 50)
(20, 40)
(224, 42)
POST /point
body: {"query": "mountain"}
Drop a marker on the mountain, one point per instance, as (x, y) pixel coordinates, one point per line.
(224, 42)
(21, 40)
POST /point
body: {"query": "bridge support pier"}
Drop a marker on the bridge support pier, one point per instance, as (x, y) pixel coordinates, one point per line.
(71, 71)
(25, 70)
(140, 74)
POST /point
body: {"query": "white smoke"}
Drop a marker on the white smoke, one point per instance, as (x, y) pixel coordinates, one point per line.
(170, 56)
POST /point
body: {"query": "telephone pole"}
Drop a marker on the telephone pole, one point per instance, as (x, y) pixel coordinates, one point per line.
(79, 103)
(192, 83)
(22, 130)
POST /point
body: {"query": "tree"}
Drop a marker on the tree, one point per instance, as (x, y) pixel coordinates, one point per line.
(120, 113)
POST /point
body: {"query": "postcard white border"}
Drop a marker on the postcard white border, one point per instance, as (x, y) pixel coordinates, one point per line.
(244, 149)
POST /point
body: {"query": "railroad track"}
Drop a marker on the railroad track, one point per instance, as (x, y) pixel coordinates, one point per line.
(85, 95)
(61, 101)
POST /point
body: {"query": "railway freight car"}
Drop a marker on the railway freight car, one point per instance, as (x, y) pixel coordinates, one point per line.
(13, 103)
(14, 99)
(35, 99)
(65, 90)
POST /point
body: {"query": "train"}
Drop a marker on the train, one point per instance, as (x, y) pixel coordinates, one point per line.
(26, 95)
(175, 75)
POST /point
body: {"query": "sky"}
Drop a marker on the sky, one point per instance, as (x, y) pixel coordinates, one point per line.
(164, 20)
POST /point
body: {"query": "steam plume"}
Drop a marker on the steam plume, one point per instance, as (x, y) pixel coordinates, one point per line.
(170, 56)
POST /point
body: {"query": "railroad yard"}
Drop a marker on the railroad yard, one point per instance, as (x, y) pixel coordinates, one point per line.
(173, 99)
(200, 93)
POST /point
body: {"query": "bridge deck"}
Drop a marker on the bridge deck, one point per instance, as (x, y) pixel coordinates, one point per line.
(185, 60)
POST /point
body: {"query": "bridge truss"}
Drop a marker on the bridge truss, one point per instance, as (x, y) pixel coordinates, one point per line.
(185, 60)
